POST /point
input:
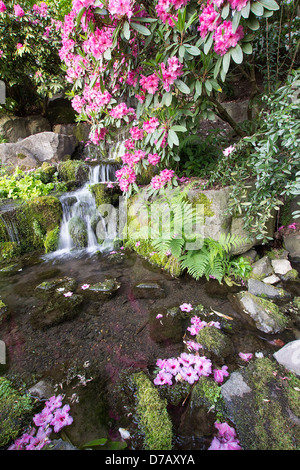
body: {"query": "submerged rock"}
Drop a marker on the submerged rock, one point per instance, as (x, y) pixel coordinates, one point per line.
(149, 290)
(62, 285)
(57, 310)
(260, 313)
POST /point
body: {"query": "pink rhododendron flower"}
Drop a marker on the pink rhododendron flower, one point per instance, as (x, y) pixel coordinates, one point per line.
(293, 226)
(125, 176)
(61, 418)
(85, 286)
(163, 378)
(238, 4)
(225, 38)
(2, 7)
(68, 294)
(209, 20)
(150, 83)
(18, 10)
(19, 45)
(228, 150)
(246, 356)
(153, 159)
(151, 125)
(219, 374)
(186, 307)
(226, 438)
(136, 133)
(120, 8)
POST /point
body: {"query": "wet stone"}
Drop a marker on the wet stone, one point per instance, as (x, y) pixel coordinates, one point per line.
(261, 288)
(57, 310)
(149, 290)
(61, 285)
(102, 290)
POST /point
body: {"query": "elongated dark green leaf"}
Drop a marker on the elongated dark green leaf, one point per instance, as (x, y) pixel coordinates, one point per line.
(237, 54)
(270, 4)
(193, 50)
(257, 9)
(236, 20)
(126, 30)
(173, 136)
(96, 442)
(182, 87)
(178, 128)
(141, 29)
(226, 61)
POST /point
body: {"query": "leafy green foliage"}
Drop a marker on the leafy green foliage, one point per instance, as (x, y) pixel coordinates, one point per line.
(27, 185)
(264, 169)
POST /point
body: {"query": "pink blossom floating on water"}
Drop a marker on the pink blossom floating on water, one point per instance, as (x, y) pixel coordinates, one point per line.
(85, 286)
(159, 315)
(246, 356)
(186, 307)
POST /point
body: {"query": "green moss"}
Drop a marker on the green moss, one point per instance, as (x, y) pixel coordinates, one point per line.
(21, 156)
(51, 240)
(104, 195)
(14, 407)
(273, 311)
(207, 393)
(67, 170)
(35, 219)
(9, 250)
(154, 420)
(201, 198)
(214, 341)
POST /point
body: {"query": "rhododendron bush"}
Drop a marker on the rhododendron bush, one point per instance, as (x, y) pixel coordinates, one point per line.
(150, 70)
(30, 39)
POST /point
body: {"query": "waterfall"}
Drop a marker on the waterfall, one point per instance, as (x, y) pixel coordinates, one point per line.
(10, 226)
(81, 217)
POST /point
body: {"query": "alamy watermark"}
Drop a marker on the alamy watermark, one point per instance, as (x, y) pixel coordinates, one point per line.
(143, 221)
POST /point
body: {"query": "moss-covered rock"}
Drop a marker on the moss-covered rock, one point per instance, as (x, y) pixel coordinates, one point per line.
(35, 219)
(15, 407)
(51, 240)
(102, 290)
(214, 341)
(263, 407)
(78, 232)
(154, 420)
(67, 170)
(9, 250)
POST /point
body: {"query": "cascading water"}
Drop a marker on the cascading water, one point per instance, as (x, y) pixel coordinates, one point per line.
(81, 217)
(7, 217)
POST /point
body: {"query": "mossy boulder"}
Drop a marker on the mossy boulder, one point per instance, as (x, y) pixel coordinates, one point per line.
(56, 310)
(67, 170)
(214, 342)
(35, 219)
(51, 240)
(154, 420)
(9, 250)
(62, 285)
(15, 409)
(78, 232)
(263, 314)
(264, 408)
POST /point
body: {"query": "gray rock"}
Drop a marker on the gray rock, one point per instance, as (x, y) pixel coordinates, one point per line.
(260, 313)
(14, 128)
(78, 232)
(42, 390)
(261, 288)
(36, 149)
(289, 356)
(292, 245)
(262, 267)
(59, 444)
(273, 279)
(281, 266)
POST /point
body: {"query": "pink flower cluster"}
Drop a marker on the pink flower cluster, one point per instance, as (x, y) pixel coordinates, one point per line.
(125, 176)
(226, 438)
(97, 136)
(198, 324)
(136, 133)
(159, 181)
(189, 367)
(53, 414)
(164, 10)
(41, 9)
(150, 125)
(120, 8)
(18, 11)
(132, 159)
(223, 35)
(169, 73)
(153, 159)
(2, 7)
(121, 110)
